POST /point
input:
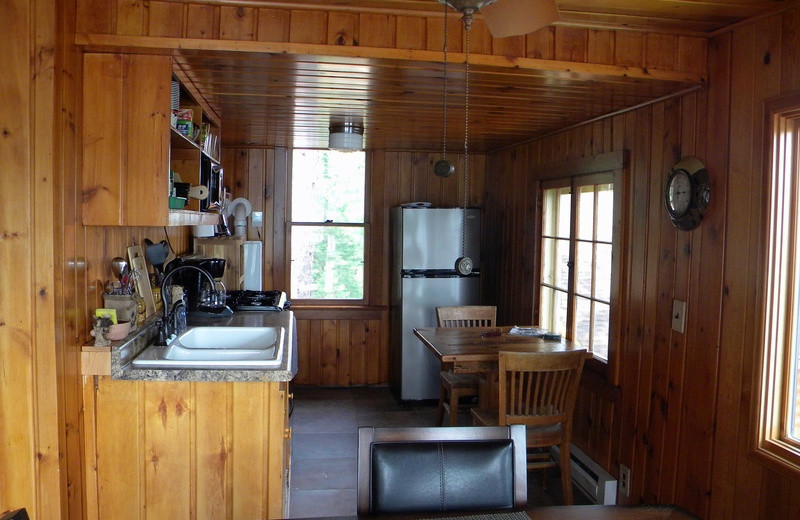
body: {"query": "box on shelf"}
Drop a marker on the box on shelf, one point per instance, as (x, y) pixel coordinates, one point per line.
(185, 127)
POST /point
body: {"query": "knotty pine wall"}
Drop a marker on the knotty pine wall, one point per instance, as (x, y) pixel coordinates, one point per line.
(678, 412)
(345, 346)
(52, 266)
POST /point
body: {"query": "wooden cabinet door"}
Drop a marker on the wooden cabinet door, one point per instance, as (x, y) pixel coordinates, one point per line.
(210, 450)
(126, 129)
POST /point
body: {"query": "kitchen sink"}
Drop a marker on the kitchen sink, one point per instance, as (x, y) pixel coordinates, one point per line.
(218, 348)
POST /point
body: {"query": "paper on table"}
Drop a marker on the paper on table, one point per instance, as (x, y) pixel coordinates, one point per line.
(533, 332)
(527, 331)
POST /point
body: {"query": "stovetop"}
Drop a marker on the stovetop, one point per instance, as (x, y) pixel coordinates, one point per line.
(257, 300)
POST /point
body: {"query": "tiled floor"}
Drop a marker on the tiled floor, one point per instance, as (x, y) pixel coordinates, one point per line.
(325, 423)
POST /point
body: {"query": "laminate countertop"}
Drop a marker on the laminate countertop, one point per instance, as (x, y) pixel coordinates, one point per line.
(123, 352)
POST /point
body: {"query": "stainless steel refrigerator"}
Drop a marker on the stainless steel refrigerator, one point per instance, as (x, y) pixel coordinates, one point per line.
(426, 242)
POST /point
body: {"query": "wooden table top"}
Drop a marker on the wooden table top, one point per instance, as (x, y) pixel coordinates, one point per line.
(454, 344)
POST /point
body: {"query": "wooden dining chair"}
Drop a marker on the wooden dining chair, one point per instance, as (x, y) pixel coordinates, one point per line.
(539, 390)
(429, 469)
(455, 386)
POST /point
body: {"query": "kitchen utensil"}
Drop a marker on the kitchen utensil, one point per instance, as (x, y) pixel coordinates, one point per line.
(157, 255)
(118, 267)
(137, 260)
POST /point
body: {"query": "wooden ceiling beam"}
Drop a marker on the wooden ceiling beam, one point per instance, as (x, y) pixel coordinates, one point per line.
(364, 55)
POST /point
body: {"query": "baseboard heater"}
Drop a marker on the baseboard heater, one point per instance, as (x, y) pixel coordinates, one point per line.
(595, 482)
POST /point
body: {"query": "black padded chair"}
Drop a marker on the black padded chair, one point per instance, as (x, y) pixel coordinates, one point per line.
(407, 470)
(19, 514)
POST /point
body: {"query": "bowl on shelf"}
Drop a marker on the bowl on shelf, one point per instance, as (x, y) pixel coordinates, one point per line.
(118, 331)
(177, 202)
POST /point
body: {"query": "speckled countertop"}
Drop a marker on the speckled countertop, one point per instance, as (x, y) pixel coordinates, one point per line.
(123, 352)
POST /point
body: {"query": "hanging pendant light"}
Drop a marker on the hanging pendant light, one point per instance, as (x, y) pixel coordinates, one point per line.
(464, 264)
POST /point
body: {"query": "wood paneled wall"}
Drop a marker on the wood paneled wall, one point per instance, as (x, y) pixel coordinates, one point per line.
(346, 346)
(52, 265)
(384, 29)
(679, 413)
(30, 428)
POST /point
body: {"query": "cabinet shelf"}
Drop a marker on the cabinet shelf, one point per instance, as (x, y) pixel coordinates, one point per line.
(185, 217)
(178, 141)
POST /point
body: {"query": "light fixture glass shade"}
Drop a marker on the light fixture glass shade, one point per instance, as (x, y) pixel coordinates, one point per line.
(346, 137)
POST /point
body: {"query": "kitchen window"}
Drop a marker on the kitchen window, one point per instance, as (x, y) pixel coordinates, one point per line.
(777, 427)
(327, 228)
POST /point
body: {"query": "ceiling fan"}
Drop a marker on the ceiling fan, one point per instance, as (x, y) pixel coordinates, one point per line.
(508, 17)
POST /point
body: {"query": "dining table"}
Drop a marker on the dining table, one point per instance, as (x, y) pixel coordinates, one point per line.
(474, 350)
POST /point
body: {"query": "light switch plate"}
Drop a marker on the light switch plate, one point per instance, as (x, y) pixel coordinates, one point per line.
(256, 218)
(678, 316)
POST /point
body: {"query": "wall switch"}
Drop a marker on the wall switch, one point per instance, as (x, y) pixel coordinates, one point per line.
(624, 480)
(678, 316)
(257, 218)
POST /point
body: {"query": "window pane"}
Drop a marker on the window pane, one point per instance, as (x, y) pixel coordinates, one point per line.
(586, 213)
(556, 212)
(549, 261)
(555, 262)
(553, 310)
(564, 212)
(584, 265)
(562, 264)
(327, 185)
(605, 212)
(327, 262)
(602, 272)
(600, 335)
(583, 322)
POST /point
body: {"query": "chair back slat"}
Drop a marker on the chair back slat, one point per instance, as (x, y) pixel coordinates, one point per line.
(466, 316)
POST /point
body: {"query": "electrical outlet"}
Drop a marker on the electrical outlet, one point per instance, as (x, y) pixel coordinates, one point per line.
(624, 480)
(678, 316)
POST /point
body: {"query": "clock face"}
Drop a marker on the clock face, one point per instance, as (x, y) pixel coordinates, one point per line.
(687, 193)
(679, 192)
(464, 265)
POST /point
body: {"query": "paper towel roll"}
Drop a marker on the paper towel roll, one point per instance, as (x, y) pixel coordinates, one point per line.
(198, 192)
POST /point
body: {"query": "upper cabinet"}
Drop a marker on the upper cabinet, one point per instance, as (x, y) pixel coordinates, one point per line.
(129, 145)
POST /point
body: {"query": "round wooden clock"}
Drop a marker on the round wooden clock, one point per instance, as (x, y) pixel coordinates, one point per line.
(687, 193)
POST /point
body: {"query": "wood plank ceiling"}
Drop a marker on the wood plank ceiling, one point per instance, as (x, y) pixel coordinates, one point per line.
(280, 99)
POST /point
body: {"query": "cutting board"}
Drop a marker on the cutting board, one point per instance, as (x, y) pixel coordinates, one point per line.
(141, 275)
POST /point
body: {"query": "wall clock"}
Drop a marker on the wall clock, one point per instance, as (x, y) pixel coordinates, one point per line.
(687, 193)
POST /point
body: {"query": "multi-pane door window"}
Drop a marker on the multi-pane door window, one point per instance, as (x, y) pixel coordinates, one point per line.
(327, 226)
(576, 266)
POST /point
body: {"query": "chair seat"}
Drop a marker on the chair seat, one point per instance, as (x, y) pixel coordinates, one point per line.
(460, 382)
(536, 436)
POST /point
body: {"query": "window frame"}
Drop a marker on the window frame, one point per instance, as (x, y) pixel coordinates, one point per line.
(290, 224)
(608, 168)
(780, 294)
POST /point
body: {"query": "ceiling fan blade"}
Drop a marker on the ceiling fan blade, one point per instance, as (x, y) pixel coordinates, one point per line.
(515, 17)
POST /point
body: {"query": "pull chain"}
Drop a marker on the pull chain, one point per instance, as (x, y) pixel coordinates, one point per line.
(466, 142)
(444, 89)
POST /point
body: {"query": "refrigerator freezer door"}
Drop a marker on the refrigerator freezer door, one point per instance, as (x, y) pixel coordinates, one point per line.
(420, 367)
(431, 238)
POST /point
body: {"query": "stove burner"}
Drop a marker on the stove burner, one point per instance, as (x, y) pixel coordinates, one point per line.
(257, 300)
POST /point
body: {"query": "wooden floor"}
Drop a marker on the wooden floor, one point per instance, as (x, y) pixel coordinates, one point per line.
(325, 423)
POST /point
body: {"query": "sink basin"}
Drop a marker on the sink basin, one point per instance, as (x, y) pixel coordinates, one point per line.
(218, 348)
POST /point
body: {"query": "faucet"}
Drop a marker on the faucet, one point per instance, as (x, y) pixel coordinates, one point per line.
(173, 321)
